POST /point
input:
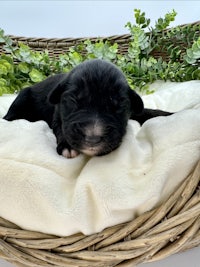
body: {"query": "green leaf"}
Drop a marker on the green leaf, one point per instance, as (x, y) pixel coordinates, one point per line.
(190, 53)
(8, 58)
(5, 67)
(75, 58)
(3, 82)
(36, 76)
(196, 49)
(198, 43)
(189, 60)
(23, 67)
(196, 74)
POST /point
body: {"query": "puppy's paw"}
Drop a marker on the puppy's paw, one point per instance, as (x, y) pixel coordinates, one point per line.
(66, 151)
(70, 153)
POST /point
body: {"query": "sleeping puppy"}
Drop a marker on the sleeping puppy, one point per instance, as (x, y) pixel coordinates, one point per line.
(87, 108)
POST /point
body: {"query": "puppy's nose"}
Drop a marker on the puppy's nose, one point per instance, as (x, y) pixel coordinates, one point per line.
(93, 140)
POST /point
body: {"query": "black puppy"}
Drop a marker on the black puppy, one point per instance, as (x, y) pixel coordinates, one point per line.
(87, 108)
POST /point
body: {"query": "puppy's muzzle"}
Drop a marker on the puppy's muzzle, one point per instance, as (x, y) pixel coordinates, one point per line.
(91, 141)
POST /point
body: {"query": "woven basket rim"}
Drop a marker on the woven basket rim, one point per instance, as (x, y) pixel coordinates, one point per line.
(112, 37)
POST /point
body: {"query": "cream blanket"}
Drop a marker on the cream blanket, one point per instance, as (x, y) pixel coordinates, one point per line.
(42, 191)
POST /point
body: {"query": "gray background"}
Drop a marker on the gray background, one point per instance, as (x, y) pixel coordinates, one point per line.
(93, 18)
(85, 18)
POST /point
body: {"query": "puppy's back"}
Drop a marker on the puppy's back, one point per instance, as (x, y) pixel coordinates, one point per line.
(32, 102)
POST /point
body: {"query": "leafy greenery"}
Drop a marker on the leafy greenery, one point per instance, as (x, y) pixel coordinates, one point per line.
(20, 66)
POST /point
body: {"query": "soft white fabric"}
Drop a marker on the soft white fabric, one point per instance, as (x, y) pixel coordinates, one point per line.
(42, 191)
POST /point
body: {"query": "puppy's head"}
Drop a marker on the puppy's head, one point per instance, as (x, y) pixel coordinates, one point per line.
(95, 103)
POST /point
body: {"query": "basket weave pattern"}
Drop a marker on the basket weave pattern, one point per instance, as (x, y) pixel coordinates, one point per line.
(57, 46)
(172, 227)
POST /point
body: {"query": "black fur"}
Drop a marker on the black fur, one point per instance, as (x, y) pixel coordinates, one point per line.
(87, 108)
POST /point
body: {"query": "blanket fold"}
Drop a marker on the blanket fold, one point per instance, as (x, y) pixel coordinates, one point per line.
(45, 192)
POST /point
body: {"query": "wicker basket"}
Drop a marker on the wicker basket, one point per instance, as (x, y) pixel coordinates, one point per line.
(57, 46)
(172, 227)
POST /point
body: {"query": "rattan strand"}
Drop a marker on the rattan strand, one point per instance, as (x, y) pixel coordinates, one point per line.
(172, 227)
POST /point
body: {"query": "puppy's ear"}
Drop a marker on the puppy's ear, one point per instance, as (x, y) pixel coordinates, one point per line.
(55, 95)
(137, 105)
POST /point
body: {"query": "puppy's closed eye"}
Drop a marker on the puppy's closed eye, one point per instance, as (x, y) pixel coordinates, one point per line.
(117, 102)
(113, 101)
